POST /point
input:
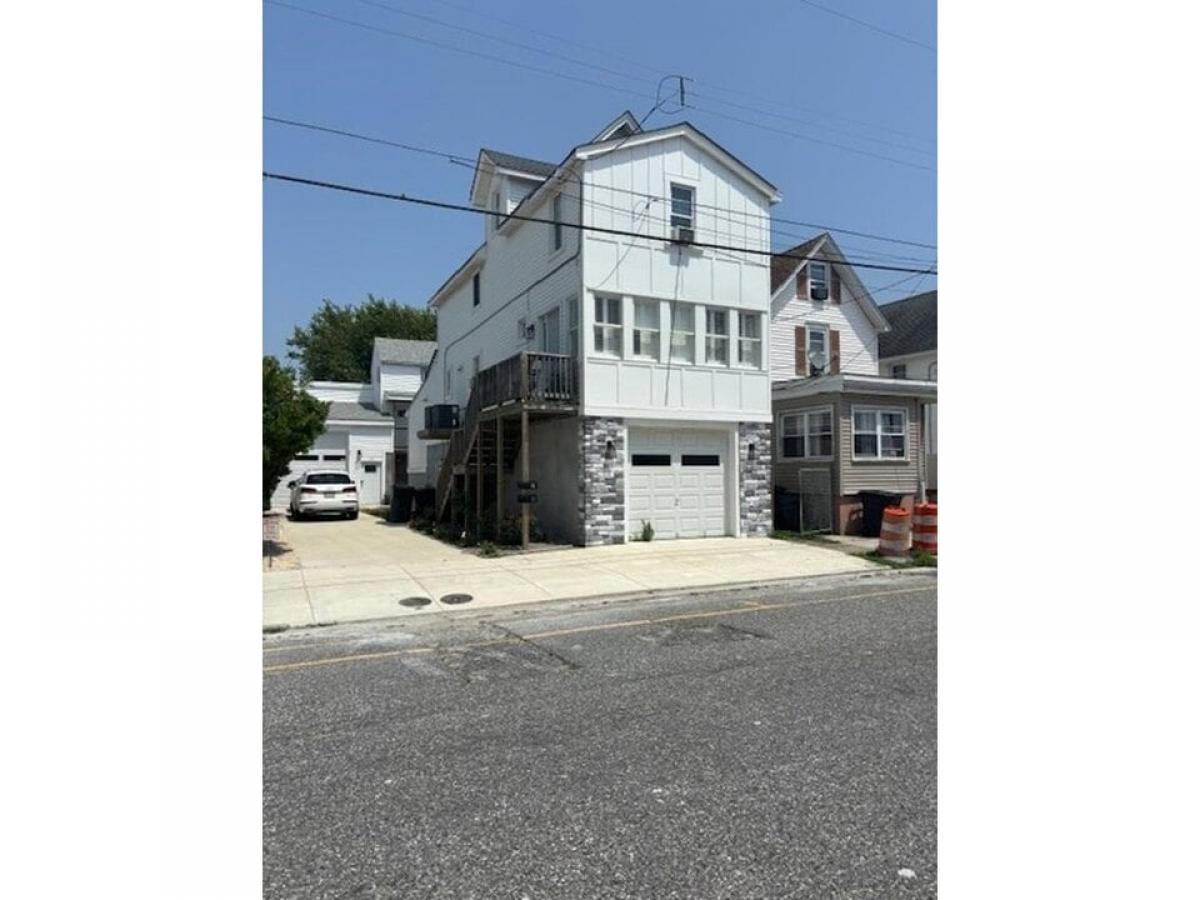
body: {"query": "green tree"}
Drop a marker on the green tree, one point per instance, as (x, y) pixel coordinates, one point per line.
(292, 420)
(336, 344)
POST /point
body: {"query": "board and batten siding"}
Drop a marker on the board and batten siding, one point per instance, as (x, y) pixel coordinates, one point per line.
(858, 339)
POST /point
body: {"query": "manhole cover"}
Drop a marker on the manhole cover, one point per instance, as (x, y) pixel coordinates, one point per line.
(455, 599)
(415, 602)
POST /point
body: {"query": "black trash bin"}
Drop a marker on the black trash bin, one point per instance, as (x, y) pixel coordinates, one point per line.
(423, 500)
(787, 510)
(873, 504)
(402, 503)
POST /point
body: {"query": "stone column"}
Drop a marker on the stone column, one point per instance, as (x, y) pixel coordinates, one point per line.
(602, 480)
(754, 479)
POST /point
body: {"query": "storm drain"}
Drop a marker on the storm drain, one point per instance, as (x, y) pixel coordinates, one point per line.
(455, 599)
(693, 634)
(415, 602)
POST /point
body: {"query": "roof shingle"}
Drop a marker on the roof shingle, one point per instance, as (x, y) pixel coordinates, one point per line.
(914, 325)
(786, 263)
(401, 351)
(534, 167)
(355, 411)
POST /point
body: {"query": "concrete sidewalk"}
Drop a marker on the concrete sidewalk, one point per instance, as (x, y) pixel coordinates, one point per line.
(353, 571)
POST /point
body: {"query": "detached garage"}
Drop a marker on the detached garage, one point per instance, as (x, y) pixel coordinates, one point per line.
(679, 480)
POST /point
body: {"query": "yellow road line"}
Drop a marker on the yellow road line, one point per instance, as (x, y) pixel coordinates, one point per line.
(628, 623)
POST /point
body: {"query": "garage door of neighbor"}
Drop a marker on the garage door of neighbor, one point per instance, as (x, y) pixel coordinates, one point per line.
(676, 481)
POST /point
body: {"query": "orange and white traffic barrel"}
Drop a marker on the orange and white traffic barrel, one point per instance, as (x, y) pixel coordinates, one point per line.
(925, 527)
(893, 534)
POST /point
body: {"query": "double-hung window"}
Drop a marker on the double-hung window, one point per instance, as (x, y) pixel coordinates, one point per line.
(880, 433)
(900, 370)
(556, 215)
(807, 435)
(716, 337)
(818, 349)
(608, 326)
(573, 326)
(750, 340)
(683, 333)
(645, 329)
(683, 206)
(818, 281)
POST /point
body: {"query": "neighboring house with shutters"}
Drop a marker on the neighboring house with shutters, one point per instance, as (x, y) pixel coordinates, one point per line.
(839, 427)
(623, 368)
(909, 350)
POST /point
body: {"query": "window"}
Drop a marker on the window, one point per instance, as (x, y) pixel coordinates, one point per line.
(749, 340)
(807, 435)
(880, 433)
(334, 457)
(645, 329)
(327, 478)
(683, 333)
(650, 459)
(495, 210)
(475, 289)
(556, 215)
(818, 349)
(370, 467)
(550, 336)
(573, 327)
(716, 337)
(608, 325)
(818, 281)
(683, 201)
(900, 370)
(700, 459)
(307, 457)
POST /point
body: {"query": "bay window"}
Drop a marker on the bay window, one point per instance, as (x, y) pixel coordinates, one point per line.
(880, 433)
(807, 435)
(683, 333)
(645, 329)
(716, 336)
(608, 326)
(749, 340)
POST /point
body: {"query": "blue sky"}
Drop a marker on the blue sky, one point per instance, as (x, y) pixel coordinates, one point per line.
(821, 76)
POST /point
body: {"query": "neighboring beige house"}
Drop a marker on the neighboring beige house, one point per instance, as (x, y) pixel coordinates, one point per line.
(839, 426)
(909, 350)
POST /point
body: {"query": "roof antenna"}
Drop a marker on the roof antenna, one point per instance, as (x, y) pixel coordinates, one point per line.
(660, 99)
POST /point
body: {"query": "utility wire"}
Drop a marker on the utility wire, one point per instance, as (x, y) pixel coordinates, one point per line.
(868, 25)
(458, 207)
(588, 81)
(471, 162)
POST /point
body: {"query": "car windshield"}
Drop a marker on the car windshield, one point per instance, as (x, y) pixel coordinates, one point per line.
(328, 478)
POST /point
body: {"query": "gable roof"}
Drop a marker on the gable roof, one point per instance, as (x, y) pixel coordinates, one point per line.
(783, 267)
(535, 168)
(914, 325)
(401, 351)
(622, 125)
(340, 410)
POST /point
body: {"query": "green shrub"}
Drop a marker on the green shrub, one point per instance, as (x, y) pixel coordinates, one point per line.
(924, 558)
(647, 531)
(487, 548)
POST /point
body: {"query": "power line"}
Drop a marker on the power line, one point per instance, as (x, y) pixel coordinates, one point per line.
(470, 162)
(458, 207)
(864, 24)
(588, 81)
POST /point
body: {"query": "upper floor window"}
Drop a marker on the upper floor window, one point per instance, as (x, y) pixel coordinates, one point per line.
(807, 435)
(880, 433)
(900, 370)
(495, 210)
(818, 281)
(645, 329)
(683, 333)
(556, 215)
(573, 326)
(683, 203)
(475, 289)
(750, 340)
(818, 349)
(716, 336)
(608, 325)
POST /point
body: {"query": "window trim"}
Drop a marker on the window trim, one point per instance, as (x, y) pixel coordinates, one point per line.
(691, 217)
(804, 413)
(825, 267)
(711, 335)
(598, 324)
(854, 457)
(757, 317)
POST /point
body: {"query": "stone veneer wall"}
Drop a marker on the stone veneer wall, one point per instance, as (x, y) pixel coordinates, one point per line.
(754, 479)
(602, 481)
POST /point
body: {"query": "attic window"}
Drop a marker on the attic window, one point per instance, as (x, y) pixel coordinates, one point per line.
(818, 281)
(683, 200)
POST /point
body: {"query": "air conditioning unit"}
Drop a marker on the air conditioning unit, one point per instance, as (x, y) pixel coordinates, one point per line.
(820, 293)
(681, 234)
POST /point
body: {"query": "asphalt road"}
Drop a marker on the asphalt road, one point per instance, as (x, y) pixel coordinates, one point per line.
(775, 743)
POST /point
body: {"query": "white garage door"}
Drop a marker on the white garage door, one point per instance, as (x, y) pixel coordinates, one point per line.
(676, 481)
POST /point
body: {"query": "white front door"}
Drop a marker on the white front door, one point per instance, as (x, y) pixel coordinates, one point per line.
(676, 482)
(370, 483)
(549, 339)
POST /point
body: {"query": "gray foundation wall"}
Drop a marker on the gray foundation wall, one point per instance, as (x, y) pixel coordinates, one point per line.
(554, 465)
(754, 479)
(601, 480)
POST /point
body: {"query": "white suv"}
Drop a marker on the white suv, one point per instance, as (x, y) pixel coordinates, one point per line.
(324, 491)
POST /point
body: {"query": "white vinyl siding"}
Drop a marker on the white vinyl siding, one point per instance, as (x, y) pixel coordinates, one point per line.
(858, 343)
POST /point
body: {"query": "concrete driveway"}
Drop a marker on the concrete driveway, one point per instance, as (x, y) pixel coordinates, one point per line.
(342, 571)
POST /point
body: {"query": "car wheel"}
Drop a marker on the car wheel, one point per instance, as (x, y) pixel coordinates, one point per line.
(352, 515)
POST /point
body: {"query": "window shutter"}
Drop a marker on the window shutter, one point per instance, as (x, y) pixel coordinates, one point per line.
(802, 283)
(835, 351)
(835, 287)
(801, 352)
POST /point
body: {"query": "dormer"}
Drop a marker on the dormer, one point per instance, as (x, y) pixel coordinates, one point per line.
(624, 125)
(502, 181)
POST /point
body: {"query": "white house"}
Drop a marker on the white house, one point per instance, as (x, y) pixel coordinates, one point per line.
(840, 427)
(361, 425)
(629, 363)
